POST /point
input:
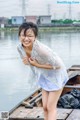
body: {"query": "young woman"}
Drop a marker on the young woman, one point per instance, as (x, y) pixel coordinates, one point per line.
(46, 65)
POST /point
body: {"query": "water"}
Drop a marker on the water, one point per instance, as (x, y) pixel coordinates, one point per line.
(15, 79)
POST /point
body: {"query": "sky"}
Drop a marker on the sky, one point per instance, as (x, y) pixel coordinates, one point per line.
(58, 9)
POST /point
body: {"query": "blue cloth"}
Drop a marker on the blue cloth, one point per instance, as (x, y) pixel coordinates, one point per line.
(48, 85)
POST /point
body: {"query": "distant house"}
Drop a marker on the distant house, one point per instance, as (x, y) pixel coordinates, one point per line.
(17, 20)
(3, 21)
(31, 19)
(39, 19)
(44, 19)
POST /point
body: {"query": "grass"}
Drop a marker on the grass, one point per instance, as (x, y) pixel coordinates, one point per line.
(47, 29)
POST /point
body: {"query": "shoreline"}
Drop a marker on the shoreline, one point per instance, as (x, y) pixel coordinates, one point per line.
(47, 29)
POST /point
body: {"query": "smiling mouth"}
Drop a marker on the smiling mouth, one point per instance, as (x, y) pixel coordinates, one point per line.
(26, 42)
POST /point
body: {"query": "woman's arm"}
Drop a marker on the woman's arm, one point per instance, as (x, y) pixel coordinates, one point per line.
(45, 66)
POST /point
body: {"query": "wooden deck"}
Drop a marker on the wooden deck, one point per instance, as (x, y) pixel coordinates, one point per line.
(37, 114)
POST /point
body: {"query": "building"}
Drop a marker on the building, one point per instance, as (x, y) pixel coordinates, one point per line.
(17, 20)
(31, 19)
(3, 21)
(45, 19)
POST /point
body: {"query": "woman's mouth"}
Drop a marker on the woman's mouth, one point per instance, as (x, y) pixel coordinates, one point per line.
(26, 42)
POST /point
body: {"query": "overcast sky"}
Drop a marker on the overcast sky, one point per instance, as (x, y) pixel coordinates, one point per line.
(57, 9)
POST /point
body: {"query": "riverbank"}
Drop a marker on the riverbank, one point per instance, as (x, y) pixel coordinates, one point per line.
(59, 29)
(45, 29)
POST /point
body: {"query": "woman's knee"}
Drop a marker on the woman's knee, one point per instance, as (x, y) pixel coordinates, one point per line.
(51, 107)
(45, 107)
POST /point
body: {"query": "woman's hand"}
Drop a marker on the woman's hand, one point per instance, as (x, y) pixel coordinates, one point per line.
(56, 67)
(25, 60)
(33, 62)
(45, 66)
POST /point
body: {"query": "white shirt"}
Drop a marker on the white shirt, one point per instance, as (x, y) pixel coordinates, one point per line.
(44, 55)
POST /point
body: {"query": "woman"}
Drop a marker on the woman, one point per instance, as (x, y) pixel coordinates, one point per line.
(46, 65)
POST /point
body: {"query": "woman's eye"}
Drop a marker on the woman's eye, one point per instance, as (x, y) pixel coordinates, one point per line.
(29, 36)
(22, 35)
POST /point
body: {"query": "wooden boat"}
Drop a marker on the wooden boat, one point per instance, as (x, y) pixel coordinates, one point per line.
(31, 107)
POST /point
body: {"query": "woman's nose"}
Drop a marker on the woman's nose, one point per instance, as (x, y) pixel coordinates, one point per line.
(26, 38)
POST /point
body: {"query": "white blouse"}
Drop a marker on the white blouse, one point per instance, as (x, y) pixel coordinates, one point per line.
(44, 55)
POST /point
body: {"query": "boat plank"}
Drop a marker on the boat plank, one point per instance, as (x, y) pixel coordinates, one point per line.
(75, 115)
(15, 112)
(62, 114)
(19, 111)
(74, 69)
(37, 112)
(75, 65)
(72, 74)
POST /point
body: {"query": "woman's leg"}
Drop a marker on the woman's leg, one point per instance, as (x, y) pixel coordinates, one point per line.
(53, 98)
(44, 101)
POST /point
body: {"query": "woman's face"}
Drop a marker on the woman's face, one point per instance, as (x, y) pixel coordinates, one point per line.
(28, 39)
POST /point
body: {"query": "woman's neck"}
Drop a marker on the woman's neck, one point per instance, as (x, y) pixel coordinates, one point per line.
(28, 50)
